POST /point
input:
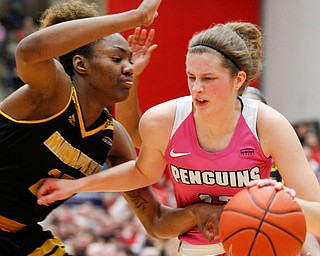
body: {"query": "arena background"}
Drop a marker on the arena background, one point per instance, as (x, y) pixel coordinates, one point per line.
(290, 80)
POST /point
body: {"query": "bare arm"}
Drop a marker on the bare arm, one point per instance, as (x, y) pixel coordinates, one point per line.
(48, 86)
(128, 112)
(311, 245)
(165, 222)
(279, 140)
(159, 221)
(130, 175)
(35, 53)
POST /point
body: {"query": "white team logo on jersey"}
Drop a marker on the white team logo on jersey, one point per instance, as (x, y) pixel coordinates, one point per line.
(174, 154)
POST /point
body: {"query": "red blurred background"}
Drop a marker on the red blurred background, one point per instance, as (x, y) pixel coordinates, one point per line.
(178, 20)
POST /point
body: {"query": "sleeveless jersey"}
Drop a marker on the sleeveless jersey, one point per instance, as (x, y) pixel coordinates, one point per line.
(201, 176)
(59, 146)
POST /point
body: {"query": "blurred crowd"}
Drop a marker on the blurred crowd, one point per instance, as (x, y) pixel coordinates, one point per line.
(101, 224)
(308, 133)
(15, 24)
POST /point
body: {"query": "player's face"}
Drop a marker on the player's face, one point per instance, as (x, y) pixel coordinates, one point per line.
(210, 83)
(111, 68)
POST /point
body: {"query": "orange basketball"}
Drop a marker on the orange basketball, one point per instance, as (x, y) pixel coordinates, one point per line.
(262, 222)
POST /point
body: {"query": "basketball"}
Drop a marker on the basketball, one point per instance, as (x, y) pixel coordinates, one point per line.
(262, 222)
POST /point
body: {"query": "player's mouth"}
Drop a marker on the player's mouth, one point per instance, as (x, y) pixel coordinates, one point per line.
(127, 82)
(201, 102)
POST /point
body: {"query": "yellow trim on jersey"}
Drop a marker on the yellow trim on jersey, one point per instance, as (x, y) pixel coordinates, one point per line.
(41, 120)
(50, 247)
(84, 132)
(9, 225)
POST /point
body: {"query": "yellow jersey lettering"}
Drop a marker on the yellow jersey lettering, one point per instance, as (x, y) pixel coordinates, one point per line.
(71, 155)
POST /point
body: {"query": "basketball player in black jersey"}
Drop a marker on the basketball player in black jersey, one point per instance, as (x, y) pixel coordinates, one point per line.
(57, 124)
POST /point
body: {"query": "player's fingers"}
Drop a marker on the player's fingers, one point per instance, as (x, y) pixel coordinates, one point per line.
(208, 232)
(151, 49)
(136, 36)
(262, 183)
(130, 40)
(142, 37)
(155, 15)
(42, 201)
(150, 38)
(43, 188)
(290, 191)
(252, 183)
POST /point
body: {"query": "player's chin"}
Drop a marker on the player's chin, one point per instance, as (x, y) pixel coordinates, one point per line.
(122, 95)
(125, 93)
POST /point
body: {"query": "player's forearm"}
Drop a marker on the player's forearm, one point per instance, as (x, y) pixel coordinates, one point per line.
(173, 222)
(123, 177)
(311, 245)
(48, 43)
(311, 211)
(128, 113)
(160, 221)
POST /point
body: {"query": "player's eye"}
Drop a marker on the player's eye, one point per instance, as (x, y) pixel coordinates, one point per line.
(116, 59)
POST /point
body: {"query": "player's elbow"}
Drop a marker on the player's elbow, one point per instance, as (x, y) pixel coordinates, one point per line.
(154, 233)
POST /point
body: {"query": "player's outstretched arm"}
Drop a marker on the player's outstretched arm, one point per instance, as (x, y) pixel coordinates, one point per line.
(128, 112)
(164, 222)
(36, 52)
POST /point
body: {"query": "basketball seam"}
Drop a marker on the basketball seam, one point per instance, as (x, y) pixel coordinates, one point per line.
(266, 221)
(240, 230)
(263, 222)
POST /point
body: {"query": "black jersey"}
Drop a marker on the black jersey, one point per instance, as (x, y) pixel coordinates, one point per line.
(59, 146)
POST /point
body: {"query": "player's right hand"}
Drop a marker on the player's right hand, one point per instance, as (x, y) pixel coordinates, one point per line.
(148, 9)
(54, 190)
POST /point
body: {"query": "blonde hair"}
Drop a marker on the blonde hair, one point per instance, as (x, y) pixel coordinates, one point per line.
(239, 42)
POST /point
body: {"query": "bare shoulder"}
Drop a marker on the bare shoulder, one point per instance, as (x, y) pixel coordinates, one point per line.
(157, 122)
(38, 102)
(163, 112)
(273, 128)
(268, 116)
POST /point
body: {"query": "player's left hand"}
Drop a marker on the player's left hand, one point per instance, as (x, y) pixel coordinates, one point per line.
(270, 182)
(142, 47)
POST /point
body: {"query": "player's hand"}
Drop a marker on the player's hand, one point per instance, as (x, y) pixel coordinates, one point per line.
(53, 190)
(208, 217)
(148, 9)
(142, 47)
(270, 182)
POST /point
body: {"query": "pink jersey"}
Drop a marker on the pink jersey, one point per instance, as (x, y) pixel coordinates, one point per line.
(201, 176)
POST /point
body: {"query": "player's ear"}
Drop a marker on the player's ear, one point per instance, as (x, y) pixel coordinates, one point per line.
(240, 79)
(80, 64)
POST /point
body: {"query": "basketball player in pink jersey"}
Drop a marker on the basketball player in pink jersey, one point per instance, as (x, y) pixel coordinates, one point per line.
(214, 142)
